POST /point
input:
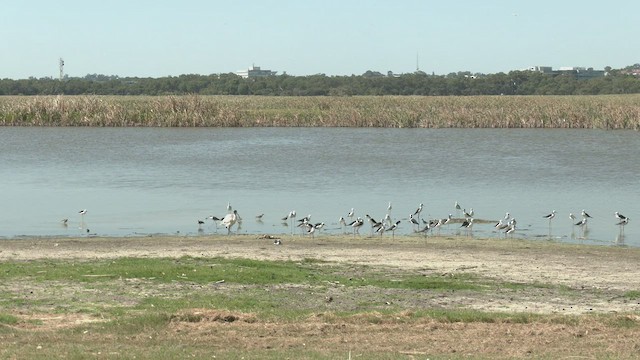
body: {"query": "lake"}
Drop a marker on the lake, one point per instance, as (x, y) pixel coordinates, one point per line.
(141, 181)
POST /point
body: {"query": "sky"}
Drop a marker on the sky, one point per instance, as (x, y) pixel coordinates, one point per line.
(157, 38)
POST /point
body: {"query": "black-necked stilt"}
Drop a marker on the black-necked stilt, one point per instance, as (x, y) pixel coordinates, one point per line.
(458, 209)
(585, 215)
(259, 217)
(413, 220)
(468, 214)
(502, 225)
(393, 228)
(82, 213)
(373, 222)
(351, 213)
(291, 217)
(305, 219)
(229, 208)
(229, 220)
(468, 225)
(418, 210)
(356, 224)
(619, 216)
(426, 228)
(582, 224)
(622, 224)
(550, 217)
(343, 223)
(64, 222)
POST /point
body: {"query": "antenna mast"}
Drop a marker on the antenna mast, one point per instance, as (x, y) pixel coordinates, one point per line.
(61, 64)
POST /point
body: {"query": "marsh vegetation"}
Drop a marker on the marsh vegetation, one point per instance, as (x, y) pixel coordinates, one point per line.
(585, 112)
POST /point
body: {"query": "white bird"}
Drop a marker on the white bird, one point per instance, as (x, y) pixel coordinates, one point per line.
(342, 223)
(582, 224)
(468, 225)
(373, 222)
(620, 216)
(551, 215)
(82, 212)
(413, 221)
(622, 223)
(418, 210)
(393, 228)
(229, 220)
(356, 224)
(351, 213)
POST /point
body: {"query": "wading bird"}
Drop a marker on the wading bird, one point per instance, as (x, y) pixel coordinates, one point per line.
(229, 220)
(343, 223)
(622, 224)
(393, 228)
(356, 225)
(582, 224)
(619, 216)
(468, 225)
(82, 212)
(550, 217)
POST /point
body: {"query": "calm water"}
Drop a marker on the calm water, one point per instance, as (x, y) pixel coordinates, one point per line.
(150, 181)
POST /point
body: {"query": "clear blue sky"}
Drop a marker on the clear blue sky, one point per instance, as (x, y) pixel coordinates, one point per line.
(337, 37)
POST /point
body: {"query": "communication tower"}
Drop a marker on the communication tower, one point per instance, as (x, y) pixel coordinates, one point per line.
(61, 64)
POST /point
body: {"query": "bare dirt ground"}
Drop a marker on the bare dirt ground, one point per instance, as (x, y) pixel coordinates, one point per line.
(599, 278)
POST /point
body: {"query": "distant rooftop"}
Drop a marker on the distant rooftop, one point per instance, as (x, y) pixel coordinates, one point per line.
(255, 71)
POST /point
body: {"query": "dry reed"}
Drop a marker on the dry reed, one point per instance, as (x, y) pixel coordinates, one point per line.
(593, 112)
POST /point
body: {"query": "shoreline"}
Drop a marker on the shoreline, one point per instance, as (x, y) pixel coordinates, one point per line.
(608, 271)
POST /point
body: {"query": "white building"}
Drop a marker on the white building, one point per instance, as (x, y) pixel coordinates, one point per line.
(255, 71)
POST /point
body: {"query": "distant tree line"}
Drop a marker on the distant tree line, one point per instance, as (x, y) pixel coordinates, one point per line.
(369, 83)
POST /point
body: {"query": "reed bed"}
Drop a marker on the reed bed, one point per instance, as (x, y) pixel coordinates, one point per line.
(587, 112)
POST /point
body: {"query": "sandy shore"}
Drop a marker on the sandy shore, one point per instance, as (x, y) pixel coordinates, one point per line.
(602, 275)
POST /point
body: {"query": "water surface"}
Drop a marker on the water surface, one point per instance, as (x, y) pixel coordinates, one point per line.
(161, 181)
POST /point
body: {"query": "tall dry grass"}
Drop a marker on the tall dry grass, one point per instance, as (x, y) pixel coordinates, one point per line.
(596, 112)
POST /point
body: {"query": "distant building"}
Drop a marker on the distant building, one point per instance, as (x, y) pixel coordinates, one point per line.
(255, 71)
(576, 71)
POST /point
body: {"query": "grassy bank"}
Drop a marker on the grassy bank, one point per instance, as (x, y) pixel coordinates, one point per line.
(593, 112)
(61, 301)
